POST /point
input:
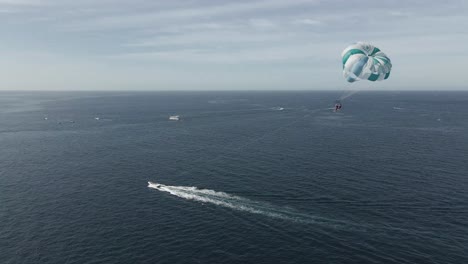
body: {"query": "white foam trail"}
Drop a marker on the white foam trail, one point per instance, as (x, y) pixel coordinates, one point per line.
(241, 204)
(266, 209)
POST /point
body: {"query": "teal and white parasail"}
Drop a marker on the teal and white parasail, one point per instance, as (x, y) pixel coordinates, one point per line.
(362, 61)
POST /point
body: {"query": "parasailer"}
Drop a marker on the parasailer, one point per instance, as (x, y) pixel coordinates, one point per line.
(337, 106)
(363, 61)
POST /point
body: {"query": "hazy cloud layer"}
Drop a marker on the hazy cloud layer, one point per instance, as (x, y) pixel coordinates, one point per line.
(293, 44)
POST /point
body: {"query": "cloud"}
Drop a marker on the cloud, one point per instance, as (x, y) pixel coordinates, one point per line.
(211, 38)
(261, 23)
(21, 2)
(260, 54)
(297, 39)
(400, 13)
(307, 21)
(177, 14)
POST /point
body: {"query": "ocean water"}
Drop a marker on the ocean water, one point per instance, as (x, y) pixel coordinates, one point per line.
(237, 179)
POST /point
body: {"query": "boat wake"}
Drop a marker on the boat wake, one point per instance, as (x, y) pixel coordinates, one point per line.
(242, 204)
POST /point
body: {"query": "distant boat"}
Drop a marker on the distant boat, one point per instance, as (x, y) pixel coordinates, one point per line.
(174, 118)
(278, 108)
(97, 118)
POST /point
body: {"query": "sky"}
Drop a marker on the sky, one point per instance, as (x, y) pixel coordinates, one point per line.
(227, 45)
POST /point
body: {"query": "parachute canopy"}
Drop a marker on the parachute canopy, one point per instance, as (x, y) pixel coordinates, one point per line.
(362, 61)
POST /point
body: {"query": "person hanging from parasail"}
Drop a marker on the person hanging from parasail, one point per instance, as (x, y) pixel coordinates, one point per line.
(337, 106)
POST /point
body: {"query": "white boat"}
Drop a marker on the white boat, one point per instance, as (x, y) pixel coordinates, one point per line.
(174, 118)
(278, 108)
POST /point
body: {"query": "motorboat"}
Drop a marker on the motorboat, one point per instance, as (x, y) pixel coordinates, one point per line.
(156, 185)
(174, 118)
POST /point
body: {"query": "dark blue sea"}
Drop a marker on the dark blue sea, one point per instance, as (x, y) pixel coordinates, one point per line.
(242, 177)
